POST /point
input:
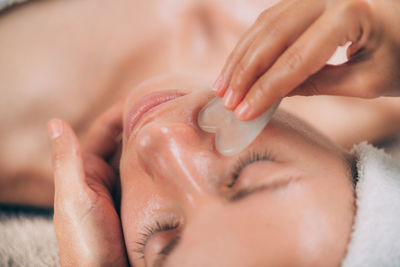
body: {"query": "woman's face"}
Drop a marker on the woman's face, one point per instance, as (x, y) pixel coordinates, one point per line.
(286, 200)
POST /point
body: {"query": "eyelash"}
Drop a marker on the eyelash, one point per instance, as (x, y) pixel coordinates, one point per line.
(149, 231)
(251, 157)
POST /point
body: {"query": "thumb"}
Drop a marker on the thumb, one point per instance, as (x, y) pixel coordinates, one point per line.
(69, 175)
(71, 201)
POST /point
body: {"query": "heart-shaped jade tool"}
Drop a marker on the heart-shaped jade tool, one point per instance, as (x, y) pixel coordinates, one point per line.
(231, 134)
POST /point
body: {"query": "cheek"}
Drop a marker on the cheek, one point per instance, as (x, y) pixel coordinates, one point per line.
(129, 222)
(295, 229)
(138, 204)
(323, 213)
(297, 226)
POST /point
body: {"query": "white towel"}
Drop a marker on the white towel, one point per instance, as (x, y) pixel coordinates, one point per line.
(7, 3)
(27, 240)
(375, 240)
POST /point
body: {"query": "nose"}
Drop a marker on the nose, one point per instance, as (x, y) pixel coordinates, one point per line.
(180, 155)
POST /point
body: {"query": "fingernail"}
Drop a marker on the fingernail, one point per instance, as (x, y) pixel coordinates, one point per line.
(218, 84)
(228, 99)
(243, 111)
(55, 128)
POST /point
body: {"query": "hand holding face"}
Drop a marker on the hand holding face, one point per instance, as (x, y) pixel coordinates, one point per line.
(286, 50)
(87, 225)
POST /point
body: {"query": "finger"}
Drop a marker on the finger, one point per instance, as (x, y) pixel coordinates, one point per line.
(264, 19)
(105, 134)
(305, 57)
(66, 158)
(221, 84)
(264, 51)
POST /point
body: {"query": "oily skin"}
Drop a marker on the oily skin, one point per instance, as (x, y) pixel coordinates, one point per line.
(171, 172)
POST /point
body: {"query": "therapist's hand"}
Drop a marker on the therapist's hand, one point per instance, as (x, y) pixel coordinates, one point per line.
(87, 225)
(286, 50)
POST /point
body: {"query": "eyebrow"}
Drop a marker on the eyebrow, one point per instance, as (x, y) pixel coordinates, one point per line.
(240, 195)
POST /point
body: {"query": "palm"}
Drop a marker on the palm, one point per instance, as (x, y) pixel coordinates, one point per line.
(101, 217)
(91, 220)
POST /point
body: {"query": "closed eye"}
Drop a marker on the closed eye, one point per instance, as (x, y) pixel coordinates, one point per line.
(242, 194)
(150, 231)
(247, 160)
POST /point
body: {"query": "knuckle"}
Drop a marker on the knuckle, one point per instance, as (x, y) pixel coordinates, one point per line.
(261, 90)
(59, 159)
(268, 19)
(242, 74)
(230, 63)
(262, 94)
(265, 15)
(272, 29)
(246, 73)
(356, 19)
(275, 30)
(242, 71)
(292, 59)
(242, 68)
(350, 8)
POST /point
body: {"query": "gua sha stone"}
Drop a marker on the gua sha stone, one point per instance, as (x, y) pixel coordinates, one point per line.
(231, 134)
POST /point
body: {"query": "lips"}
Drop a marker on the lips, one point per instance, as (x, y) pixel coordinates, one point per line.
(145, 105)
